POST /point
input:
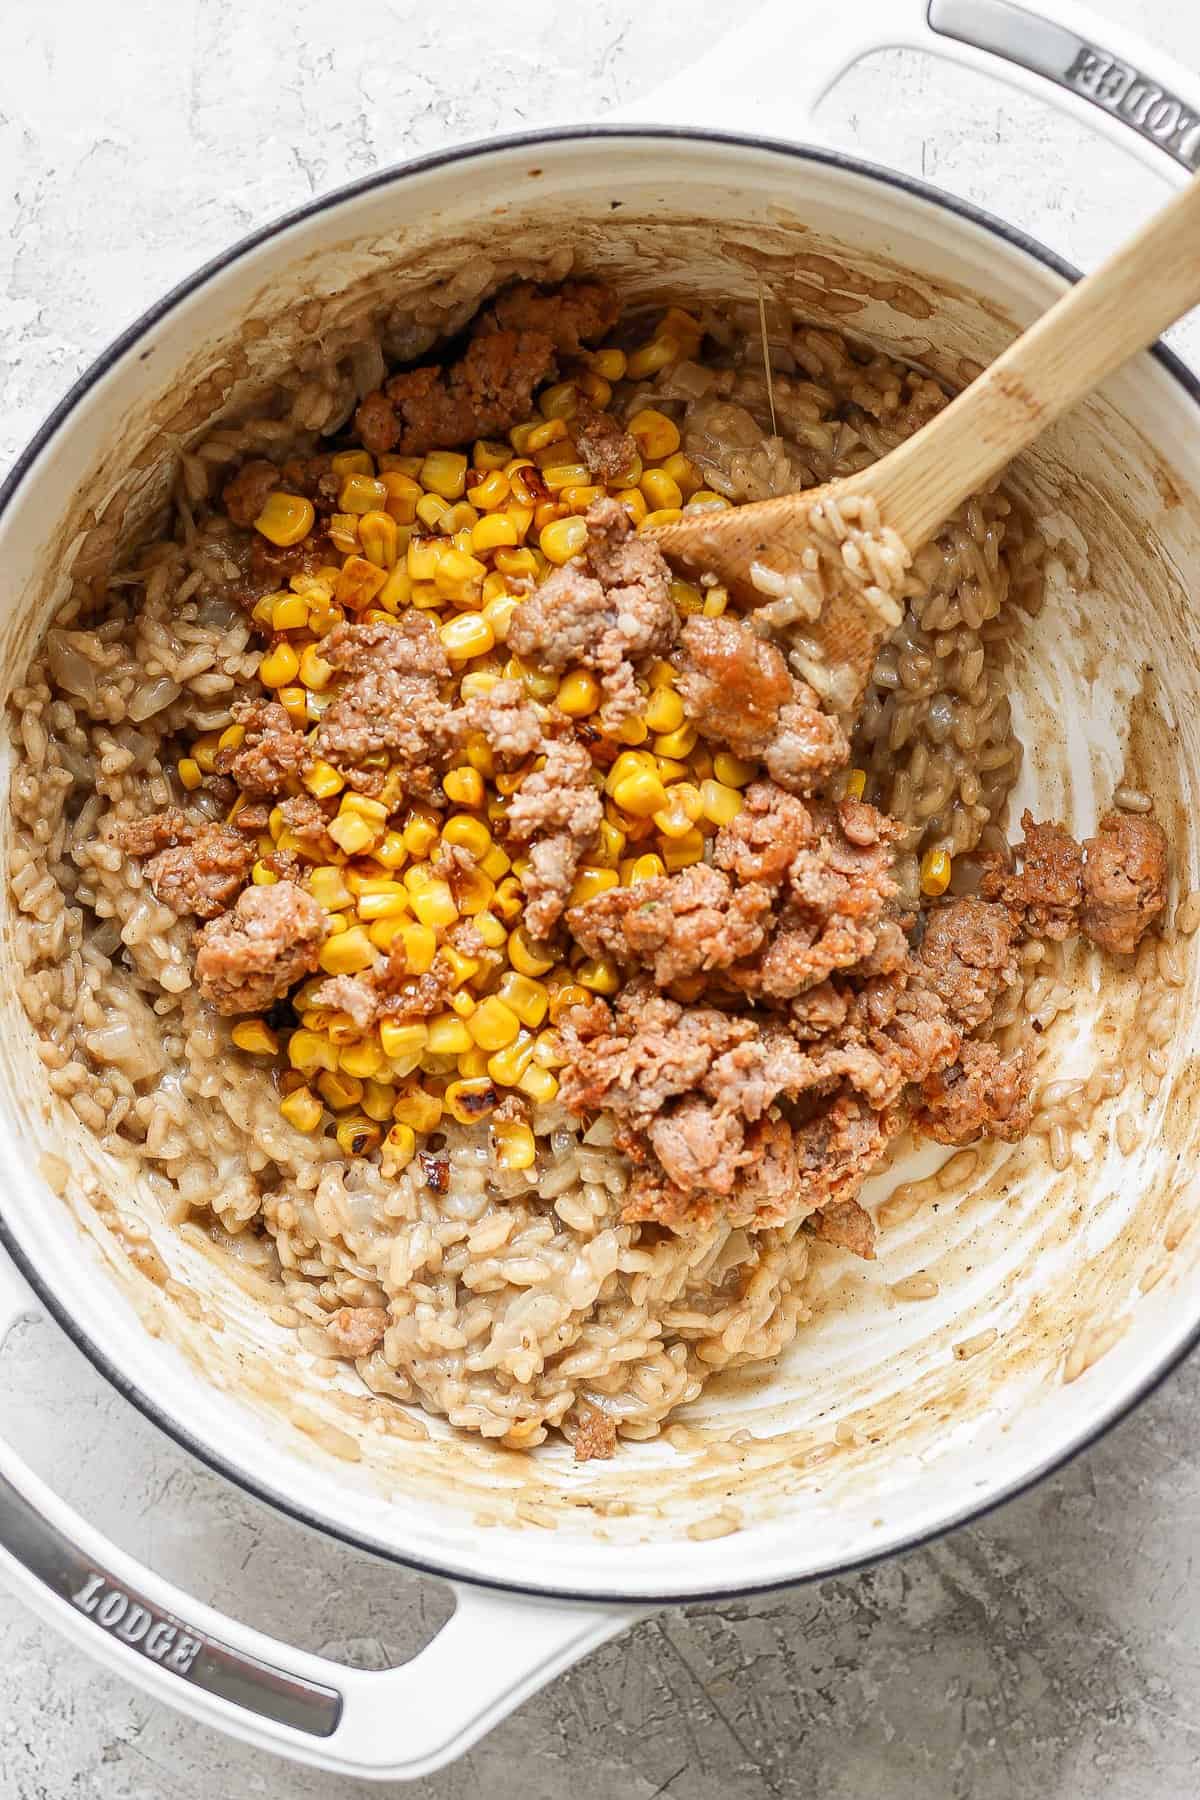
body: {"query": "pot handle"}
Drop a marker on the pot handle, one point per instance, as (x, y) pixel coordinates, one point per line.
(494, 1652)
(769, 77)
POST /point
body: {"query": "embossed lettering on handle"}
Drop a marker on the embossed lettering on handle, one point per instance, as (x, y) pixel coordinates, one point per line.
(1082, 68)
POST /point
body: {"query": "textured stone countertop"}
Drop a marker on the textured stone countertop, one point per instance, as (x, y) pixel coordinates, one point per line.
(1051, 1651)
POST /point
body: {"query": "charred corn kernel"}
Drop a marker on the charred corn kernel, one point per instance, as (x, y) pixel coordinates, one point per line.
(343, 532)
(357, 1136)
(495, 862)
(562, 539)
(516, 563)
(358, 583)
(397, 1040)
(389, 905)
(309, 1051)
(314, 671)
(420, 835)
(302, 1109)
(684, 807)
(660, 490)
(256, 1037)
(472, 1099)
(666, 515)
(641, 794)
(400, 1146)
(681, 852)
(377, 1100)
(420, 947)
(379, 539)
(465, 788)
(347, 953)
(590, 881)
(686, 597)
(190, 773)
(527, 999)
(599, 975)
(683, 472)
(289, 612)
(352, 462)
(491, 929)
(652, 357)
(327, 885)
(444, 472)
(634, 502)
(936, 870)
(448, 1036)
(467, 635)
(508, 1065)
(539, 1084)
(561, 401)
(678, 743)
(664, 711)
(434, 906)
(514, 1144)
(578, 694)
(646, 868)
(705, 500)
(294, 701)
(418, 1109)
(719, 804)
(461, 829)
(490, 453)
(362, 494)
(524, 957)
(732, 770)
(285, 519)
(509, 902)
(279, 666)
(493, 1024)
(339, 1090)
(856, 783)
(261, 876)
(352, 833)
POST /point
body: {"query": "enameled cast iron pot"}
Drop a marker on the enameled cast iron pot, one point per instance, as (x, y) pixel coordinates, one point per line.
(1042, 1275)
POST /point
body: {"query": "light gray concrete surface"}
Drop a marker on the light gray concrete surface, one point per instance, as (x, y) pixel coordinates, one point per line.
(1051, 1651)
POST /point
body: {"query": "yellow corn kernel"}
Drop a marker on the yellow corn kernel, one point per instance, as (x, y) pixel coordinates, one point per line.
(358, 583)
(256, 1037)
(457, 523)
(683, 472)
(509, 902)
(352, 462)
(936, 870)
(362, 494)
(302, 1109)
(465, 788)
(458, 573)
(472, 1099)
(398, 1040)
(473, 892)
(461, 967)
(377, 1100)
(666, 515)
(578, 694)
(339, 1090)
(686, 597)
(681, 852)
(261, 876)
(278, 667)
(422, 558)
(641, 794)
(310, 1050)
(706, 500)
(384, 932)
(525, 959)
(492, 492)
(464, 832)
(448, 1036)
(467, 635)
(508, 1065)
(671, 769)
(634, 502)
(365, 1061)
(404, 465)
(399, 1147)
(646, 868)
(352, 833)
(630, 762)
(434, 905)
(716, 599)
(570, 994)
(348, 953)
(599, 975)
(403, 493)
(389, 904)
(285, 519)
(444, 472)
(391, 850)
(516, 563)
(314, 671)
(592, 880)
(463, 1002)
(357, 1136)
(294, 701)
(664, 710)
(560, 401)
(732, 770)
(416, 1108)
(595, 389)
(493, 1024)
(539, 1084)
(856, 783)
(514, 1144)
(289, 612)
(322, 779)
(566, 475)
(660, 490)
(495, 862)
(678, 743)
(327, 885)
(719, 804)
(190, 773)
(527, 999)
(232, 738)
(430, 510)
(684, 807)
(562, 539)
(491, 929)
(343, 532)
(610, 364)
(379, 539)
(496, 532)
(490, 453)
(652, 357)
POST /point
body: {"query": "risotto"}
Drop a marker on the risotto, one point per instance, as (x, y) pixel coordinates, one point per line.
(492, 936)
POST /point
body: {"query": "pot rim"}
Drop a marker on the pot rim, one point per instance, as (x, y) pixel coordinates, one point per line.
(107, 359)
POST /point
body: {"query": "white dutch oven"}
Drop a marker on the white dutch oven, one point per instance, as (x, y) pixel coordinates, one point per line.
(888, 1421)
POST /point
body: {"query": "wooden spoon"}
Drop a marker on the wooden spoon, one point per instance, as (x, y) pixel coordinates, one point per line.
(1117, 310)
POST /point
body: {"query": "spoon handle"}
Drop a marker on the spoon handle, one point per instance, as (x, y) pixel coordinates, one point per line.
(1118, 309)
